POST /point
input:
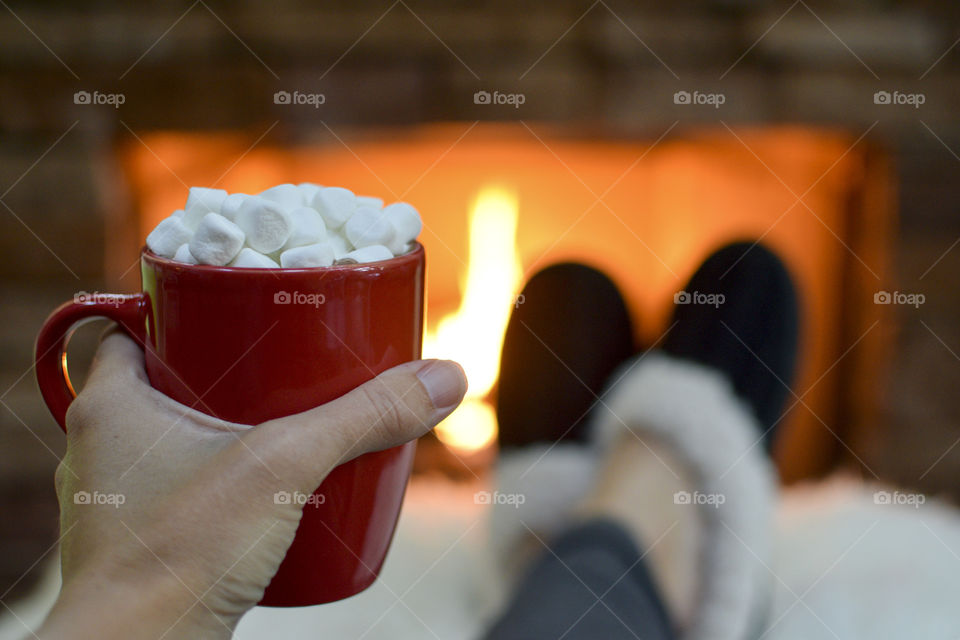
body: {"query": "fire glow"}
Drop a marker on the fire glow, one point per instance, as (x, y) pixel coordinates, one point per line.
(473, 334)
(666, 204)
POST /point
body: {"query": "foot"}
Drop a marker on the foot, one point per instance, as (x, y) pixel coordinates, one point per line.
(741, 318)
(565, 338)
(679, 468)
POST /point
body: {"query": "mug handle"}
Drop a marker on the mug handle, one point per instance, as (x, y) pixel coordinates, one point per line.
(50, 356)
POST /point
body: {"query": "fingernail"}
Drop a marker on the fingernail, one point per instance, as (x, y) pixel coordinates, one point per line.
(444, 382)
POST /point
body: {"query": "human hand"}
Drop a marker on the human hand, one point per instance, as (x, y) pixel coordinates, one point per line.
(198, 535)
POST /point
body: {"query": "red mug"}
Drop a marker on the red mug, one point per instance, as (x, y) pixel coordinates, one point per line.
(250, 345)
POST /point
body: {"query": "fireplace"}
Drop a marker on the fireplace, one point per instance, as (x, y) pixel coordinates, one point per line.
(646, 211)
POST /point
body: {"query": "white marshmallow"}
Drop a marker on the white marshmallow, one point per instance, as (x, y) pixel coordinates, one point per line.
(369, 201)
(341, 246)
(368, 226)
(191, 217)
(204, 199)
(167, 236)
(312, 255)
(183, 255)
(308, 228)
(371, 253)
(217, 240)
(231, 205)
(286, 194)
(250, 259)
(406, 224)
(309, 191)
(335, 204)
(267, 224)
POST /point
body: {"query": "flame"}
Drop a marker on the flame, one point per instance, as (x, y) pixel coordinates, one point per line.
(473, 334)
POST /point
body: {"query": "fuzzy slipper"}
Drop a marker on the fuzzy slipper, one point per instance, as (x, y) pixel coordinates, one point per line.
(693, 411)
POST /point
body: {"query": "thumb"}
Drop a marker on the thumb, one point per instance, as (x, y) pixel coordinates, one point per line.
(399, 405)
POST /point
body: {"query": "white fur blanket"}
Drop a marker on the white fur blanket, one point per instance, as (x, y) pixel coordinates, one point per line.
(861, 570)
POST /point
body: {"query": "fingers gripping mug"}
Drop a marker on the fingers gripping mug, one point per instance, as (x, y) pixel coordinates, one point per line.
(250, 345)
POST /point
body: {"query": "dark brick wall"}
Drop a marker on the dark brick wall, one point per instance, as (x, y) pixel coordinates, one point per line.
(613, 66)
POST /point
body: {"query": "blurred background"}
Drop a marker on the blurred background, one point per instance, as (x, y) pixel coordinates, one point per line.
(633, 135)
